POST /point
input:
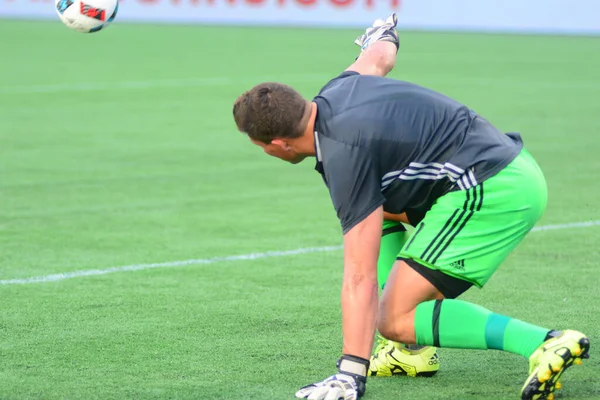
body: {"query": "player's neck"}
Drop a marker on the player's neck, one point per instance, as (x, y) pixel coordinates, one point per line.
(305, 144)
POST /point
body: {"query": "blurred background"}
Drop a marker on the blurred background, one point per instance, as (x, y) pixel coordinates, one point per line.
(548, 16)
(149, 251)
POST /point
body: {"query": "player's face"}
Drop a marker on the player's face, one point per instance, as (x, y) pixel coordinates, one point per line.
(280, 150)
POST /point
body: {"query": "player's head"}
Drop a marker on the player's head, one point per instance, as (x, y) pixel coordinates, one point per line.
(275, 117)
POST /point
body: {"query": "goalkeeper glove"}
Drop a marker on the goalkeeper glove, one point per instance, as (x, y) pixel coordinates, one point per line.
(348, 384)
(380, 31)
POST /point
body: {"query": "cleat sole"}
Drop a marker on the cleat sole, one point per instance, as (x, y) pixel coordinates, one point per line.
(584, 345)
(542, 387)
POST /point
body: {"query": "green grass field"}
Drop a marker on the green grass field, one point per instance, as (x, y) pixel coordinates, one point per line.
(119, 149)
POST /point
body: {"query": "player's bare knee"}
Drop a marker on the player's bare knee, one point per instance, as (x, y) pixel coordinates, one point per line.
(385, 327)
(395, 328)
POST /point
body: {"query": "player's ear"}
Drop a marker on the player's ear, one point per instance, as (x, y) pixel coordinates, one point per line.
(281, 143)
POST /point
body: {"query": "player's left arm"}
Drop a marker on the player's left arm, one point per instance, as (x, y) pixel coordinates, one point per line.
(355, 187)
(379, 47)
(359, 313)
(360, 287)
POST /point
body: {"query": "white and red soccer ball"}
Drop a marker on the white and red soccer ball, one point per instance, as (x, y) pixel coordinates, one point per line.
(86, 15)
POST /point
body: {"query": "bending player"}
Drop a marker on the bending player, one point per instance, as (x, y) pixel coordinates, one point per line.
(473, 193)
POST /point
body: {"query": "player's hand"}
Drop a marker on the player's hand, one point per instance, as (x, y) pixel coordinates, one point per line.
(380, 31)
(340, 386)
(348, 384)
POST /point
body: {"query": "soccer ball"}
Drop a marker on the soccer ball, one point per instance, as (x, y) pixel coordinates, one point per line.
(86, 15)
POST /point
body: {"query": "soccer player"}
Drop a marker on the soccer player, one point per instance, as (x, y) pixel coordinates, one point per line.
(472, 193)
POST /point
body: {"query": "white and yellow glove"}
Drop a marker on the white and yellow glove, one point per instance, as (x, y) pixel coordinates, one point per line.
(380, 31)
(348, 384)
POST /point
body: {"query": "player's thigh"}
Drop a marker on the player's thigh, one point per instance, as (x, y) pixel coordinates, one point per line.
(467, 234)
(405, 289)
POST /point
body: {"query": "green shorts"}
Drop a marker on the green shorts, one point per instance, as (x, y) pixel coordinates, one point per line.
(468, 234)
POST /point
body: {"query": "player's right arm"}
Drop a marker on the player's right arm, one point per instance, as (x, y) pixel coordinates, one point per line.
(379, 47)
(378, 59)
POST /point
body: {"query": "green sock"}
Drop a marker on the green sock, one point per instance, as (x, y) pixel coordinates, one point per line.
(459, 324)
(393, 238)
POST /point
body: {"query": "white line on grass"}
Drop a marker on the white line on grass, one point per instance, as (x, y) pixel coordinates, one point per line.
(241, 257)
(139, 267)
(566, 226)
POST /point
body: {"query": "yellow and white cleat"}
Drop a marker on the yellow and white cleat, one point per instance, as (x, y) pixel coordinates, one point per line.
(550, 360)
(392, 358)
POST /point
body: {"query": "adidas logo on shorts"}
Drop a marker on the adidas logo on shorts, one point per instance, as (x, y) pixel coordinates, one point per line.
(460, 264)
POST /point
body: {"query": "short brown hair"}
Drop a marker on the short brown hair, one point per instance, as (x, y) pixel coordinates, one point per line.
(270, 110)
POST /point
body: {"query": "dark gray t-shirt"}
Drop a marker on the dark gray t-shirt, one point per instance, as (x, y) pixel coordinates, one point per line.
(381, 141)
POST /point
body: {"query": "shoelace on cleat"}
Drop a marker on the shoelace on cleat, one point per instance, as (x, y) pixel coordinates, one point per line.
(381, 344)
